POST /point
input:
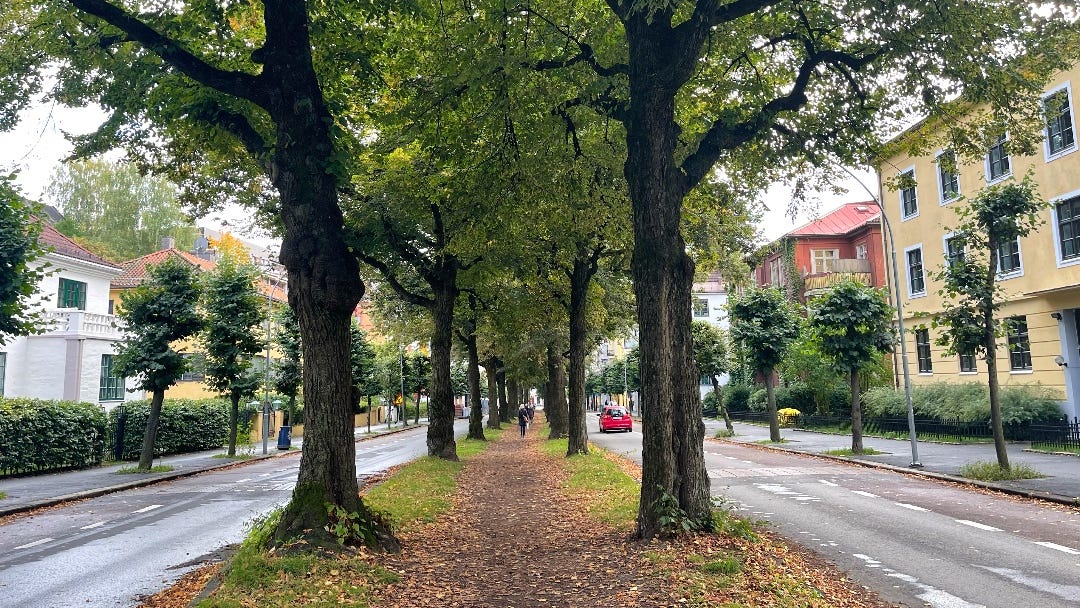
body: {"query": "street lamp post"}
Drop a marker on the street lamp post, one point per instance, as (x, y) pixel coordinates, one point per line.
(267, 408)
(899, 321)
(401, 373)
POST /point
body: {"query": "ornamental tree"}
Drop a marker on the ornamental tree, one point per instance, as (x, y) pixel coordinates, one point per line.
(156, 314)
(711, 357)
(990, 224)
(766, 324)
(18, 275)
(288, 376)
(852, 325)
(232, 334)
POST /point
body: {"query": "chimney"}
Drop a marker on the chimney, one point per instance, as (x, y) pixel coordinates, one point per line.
(168, 242)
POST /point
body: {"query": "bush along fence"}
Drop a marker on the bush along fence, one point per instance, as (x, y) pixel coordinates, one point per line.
(186, 425)
(38, 436)
(1058, 434)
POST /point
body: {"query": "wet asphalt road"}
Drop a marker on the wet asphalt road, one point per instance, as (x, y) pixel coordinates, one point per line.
(109, 551)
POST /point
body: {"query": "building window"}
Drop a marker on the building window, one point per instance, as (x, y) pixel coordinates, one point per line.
(909, 204)
(916, 280)
(860, 251)
(701, 307)
(967, 363)
(821, 259)
(1059, 125)
(1068, 220)
(3, 372)
(111, 386)
(774, 272)
(948, 178)
(922, 351)
(997, 160)
(112, 306)
(1019, 344)
(954, 250)
(1008, 260)
(72, 294)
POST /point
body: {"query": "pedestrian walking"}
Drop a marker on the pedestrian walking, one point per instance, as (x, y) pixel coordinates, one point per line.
(523, 418)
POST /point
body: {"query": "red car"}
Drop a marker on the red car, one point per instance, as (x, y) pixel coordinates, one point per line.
(615, 418)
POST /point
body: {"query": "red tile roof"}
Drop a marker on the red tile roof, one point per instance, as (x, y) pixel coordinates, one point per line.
(841, 221)
(52, 239)
(135, 272)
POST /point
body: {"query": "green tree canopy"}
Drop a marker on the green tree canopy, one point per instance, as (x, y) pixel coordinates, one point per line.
(19, 275)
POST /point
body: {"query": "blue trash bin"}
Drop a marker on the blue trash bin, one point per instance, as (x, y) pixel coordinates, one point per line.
(284, 437)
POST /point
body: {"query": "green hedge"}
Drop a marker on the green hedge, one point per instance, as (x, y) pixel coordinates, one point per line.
(967, 402)
(186, 425)
(37, 435)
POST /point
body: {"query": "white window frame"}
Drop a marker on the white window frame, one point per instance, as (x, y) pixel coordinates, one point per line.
(914, 189)
(1012, 274)
(986, 165)
(814, 260)
(945, 238)
(862, 251)
(1067, 87)
(907, 271)
(940, 185)
(1054, 227)
(694, 307)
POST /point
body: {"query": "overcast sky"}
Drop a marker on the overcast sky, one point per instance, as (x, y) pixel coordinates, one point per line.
(38, 146)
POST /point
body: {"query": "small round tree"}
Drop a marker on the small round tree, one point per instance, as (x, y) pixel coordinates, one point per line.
(766, 324)
(852, 323)
(711, 356)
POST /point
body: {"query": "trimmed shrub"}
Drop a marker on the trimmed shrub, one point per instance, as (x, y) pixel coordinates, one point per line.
(968, 402)
(710, 404)
(737, 397)
(186, 425)
(758, 401)
(796, 396)
(883, 402)
(1024, 403)
(38, 435)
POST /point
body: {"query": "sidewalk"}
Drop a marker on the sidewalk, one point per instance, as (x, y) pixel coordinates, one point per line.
(940, 460)
(36, 491)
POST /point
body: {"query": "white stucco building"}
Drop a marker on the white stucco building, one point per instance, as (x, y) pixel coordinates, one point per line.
(709, 300)
(73, 358)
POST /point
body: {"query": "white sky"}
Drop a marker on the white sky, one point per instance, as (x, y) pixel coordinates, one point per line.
(37, 146)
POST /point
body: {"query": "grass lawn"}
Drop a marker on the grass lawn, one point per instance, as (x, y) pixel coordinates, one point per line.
(990, 471)
(849, 452)
(611, 495)
(134, 469)
(1055, 449)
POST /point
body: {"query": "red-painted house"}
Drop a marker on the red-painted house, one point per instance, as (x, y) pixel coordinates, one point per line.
(842, 244)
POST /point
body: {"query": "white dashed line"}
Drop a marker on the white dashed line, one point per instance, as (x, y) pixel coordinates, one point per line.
(35, 543)
(92, 526)
(828, 483)
(975, 524)
(912, 507)
(866, 494)
(1058, 547)
(242, 480)
(150, 508)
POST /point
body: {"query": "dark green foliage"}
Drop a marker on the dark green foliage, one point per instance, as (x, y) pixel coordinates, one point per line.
(39, 435)
(288, 376)
(186, 425)
(158, 313)
(365, 373)
(18, 247)
(737, 397)
(710, 349)
(234, 311)
(766, 325)
(757, 401)
(710, 403)
(852, 325)
(966, 402)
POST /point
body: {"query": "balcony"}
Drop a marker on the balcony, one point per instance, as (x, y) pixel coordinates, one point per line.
(839, 270)
(71, 322)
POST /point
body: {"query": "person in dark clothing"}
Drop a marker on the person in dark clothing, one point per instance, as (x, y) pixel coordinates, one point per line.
(523, 418)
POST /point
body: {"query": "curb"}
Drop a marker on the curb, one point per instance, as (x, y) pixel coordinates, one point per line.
(1061, 499)
(141, 483)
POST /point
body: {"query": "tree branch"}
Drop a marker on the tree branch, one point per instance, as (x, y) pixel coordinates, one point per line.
(391, 279)
(238, 84)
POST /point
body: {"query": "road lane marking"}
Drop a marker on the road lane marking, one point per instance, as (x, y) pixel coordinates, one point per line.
(92, 526)
(912, 507)
(935, 598)
(828, 483)
(975, 524)
(242, 480)
(35, 543)
(1070, 593)
(145, 509)
(1058, 547)
(866, 494)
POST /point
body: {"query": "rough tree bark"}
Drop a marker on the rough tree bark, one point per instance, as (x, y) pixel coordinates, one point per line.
(491, 365)
(720, 404)
(555, 407)
(440, 433)
(507, 414)
(476, 415)
(856, 412)
(234, 414)
(146, 456)
(578, 435)
(770, 399)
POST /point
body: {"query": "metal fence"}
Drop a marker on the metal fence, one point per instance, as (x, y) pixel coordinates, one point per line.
(1061, 434)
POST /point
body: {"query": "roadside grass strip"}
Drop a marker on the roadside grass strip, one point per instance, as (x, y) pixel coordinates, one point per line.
(610, 495)
(416, 493)
(990, 471)
(161, 468)
(848, 453)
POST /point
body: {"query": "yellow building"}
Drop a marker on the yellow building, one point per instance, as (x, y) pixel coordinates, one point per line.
(1040, 273)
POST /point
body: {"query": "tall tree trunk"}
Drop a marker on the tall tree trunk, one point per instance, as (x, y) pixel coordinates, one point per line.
(492, 365)
(673, 461)
(476, 415)
(856, 412)
(234, 415)
(578, 436)
(506, 413)
(556, 407)
(720, 405)
(774, 420)
(146, 456)
(990, 341)
(440, 433)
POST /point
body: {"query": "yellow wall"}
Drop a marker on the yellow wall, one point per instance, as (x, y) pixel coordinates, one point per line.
(1044, 286)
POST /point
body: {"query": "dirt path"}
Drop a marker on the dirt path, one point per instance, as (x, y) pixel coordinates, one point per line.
(514, 540)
